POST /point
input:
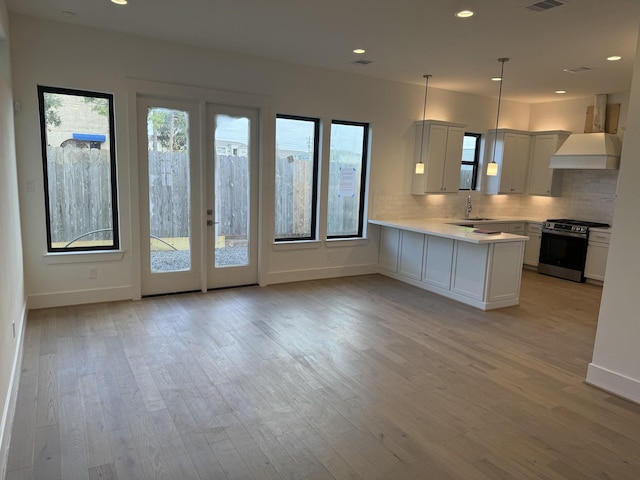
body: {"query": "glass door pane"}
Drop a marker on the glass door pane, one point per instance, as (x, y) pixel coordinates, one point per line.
(169, 190)
(232, 183)
(232, 196)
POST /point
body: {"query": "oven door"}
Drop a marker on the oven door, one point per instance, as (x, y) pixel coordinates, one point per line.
(563, 254)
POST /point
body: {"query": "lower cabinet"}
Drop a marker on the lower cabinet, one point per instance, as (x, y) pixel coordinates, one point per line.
(484, 275)
(438, 258)
(532, 247)
(469, 269)
(597, 252)
(411, 251)
(389, 249)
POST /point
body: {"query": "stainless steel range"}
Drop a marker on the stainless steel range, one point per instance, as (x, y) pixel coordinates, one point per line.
(563, 247)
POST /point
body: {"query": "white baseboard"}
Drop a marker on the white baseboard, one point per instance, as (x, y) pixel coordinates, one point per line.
(80, 297)
(319, 273)
(614, 382)
(6, 422)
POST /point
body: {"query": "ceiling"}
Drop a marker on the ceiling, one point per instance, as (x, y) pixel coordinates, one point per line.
(404, 39)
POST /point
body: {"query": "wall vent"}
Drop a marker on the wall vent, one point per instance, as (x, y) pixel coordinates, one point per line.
(362, 62)
(576, 69)
(544, 5)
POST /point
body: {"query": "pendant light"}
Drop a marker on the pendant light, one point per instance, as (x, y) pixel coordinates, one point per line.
(419, 165)
(492, 167)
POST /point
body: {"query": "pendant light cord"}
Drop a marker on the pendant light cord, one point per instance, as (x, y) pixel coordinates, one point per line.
(424, 112)
(495, 140)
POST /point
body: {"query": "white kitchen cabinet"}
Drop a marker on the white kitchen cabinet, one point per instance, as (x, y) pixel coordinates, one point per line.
(441, 156)
(479, 270)
(437, 262)
(470, 269)
(532, 247)
(512, 157)
(517, 228)
(411, 251)
(542, 179)
(389, 249)
(597, 252)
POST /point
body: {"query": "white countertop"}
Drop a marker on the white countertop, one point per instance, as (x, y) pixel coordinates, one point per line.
(444, 227)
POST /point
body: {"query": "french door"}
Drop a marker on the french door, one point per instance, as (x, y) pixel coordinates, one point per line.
(198, 195)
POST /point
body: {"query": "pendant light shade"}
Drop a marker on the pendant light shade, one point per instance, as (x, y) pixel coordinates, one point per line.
(492, 167)
(419, 168)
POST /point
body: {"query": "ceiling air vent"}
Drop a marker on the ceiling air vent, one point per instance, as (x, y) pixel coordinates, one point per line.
(362, 62)
(544, 5)
(576, 69)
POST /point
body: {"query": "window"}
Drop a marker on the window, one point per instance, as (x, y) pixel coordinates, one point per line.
(79, 161)
(347, 173)
(296, 177)
(470, 161)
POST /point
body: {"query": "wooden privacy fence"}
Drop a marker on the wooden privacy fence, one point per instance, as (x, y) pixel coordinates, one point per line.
(80, 195)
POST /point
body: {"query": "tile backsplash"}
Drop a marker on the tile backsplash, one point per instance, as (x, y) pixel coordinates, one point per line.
(586, 195)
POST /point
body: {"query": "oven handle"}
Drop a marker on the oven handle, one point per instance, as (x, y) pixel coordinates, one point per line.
(564, 234)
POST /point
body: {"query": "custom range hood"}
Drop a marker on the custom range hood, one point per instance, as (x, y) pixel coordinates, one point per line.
(590, 150)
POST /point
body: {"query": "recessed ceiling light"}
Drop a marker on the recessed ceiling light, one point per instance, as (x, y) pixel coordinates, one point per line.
(561, 91)
(613, 58)
(120, 2)
(465, 13)
(359, 51)
(496, 79)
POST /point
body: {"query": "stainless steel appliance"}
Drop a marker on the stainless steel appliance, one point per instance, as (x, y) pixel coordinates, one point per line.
(563, 248)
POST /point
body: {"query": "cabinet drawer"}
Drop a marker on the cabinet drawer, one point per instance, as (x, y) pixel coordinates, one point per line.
(534, 228)
(517, 228)
(599, 237)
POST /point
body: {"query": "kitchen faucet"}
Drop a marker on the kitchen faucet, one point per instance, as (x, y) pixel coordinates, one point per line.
(469, 207)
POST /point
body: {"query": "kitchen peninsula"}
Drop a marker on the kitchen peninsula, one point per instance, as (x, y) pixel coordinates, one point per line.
(459, 262)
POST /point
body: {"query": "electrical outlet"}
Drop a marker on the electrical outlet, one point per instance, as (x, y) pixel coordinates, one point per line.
(93, 273)
(329, 255)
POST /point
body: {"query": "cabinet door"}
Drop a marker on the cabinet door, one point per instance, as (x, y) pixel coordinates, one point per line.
(542, 179)
(389, 248)
(453, 159)
(435, 158)
(532, 249)
(515, 160)
(411, 251)
(505, 271)
(596, 263)
(469, 269)
(437, 262)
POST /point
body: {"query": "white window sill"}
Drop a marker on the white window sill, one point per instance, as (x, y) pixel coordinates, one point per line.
(346, 242)
(83, 257)
(296, 245)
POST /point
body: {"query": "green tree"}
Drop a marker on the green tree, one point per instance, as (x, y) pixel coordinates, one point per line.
(168, 129)
(98, 105)
(52, 102)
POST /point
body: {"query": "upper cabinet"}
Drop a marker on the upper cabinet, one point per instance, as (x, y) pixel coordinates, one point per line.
(512, 156)
(542, 179)
(441, 156)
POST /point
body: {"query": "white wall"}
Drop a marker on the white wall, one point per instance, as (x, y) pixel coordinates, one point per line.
(12, 295)
(47, 53)
(616, 358)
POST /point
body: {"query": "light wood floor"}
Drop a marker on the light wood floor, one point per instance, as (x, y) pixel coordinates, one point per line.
(358, 378)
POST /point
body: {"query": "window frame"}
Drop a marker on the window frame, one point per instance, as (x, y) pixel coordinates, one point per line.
(475, 163)
(364, 160)
(115, 221)
(315, 177)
